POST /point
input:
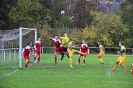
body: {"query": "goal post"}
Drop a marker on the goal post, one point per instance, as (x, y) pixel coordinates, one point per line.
(21, 42)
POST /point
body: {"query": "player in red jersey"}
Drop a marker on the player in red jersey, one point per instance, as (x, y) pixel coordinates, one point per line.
(84, 48)
(26, 52)
(132, 69)
(37, 47)
(58, 47)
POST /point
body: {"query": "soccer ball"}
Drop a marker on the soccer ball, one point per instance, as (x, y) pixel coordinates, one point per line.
(62, 12)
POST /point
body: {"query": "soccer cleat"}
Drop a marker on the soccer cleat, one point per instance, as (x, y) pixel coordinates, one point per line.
(113, 70)
(102, 63)
(71, 66)
(83, 64)
(34, 61)
(77, 63)
(125, 69)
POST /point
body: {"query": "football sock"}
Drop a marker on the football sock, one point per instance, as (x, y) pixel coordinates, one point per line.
(34, 58)
(100, 59)
(62, 56)
(123, 65)
(84, 61)
(78, 60)
(115, 67)
(70, 62)
(55, 60)
(82, 53)
(26, 65)
(39, 58)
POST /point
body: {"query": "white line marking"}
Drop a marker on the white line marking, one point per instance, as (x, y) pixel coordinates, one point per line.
(108, 73)
(8, 74)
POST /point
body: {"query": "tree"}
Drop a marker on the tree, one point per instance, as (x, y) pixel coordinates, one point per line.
(25, 13)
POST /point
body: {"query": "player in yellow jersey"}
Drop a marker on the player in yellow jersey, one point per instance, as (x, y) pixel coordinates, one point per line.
(65, 41)
(101, 52)
(122, 57)
(71, 51)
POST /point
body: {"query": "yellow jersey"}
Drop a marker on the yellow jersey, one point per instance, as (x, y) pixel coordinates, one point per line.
(69, 46)
(101, 48)
(65, 41)
(122, 51)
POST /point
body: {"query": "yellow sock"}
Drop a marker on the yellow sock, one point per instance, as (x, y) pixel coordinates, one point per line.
(100, 59)
(123, 66)
(70, 62)
(115, 67)
(82, 53)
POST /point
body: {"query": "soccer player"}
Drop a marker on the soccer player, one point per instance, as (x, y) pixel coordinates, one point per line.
(37, 47)
(132, 69)
(121, 58)
(58, 47)
(101, 52)
(84, 48)
(65, 41)
(71, 51)
(26, 52)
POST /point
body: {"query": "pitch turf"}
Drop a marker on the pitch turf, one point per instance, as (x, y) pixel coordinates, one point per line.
(46, 75)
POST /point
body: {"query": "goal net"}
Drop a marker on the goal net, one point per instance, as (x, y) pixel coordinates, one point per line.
(11, 44)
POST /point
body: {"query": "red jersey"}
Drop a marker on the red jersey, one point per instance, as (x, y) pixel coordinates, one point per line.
(37, 45)
(84, 48)
(57, 42)
(26, 51)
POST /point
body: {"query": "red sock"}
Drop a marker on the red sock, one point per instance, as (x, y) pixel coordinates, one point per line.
(55, 60)
(39, 59)
(34, 58)
(26, 65)
(84, 61)
(79, 60)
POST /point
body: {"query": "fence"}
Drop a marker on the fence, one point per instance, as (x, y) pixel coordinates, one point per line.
(13, 53)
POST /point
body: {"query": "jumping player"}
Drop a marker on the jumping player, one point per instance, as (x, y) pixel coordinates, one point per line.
(84, 48)
(37, 47)
(26, 52)
(65, 41)
(122, 57)
(58, 47)
(71, 51)
(101, 52)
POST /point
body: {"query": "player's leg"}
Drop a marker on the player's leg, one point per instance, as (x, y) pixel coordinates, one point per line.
(116, 64)
(38, 54)
(78, 59)
(35, 57)
(100, 57)
(84, 62)
(61, 50)
(55, 58)
(27, 61)
(70, 53)
(122, 63)
(80, 52)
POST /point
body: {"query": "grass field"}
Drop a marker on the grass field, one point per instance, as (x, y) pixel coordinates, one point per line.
(46, 75)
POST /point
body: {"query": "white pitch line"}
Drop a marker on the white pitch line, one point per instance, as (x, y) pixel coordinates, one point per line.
(8, 74)
(108, 73)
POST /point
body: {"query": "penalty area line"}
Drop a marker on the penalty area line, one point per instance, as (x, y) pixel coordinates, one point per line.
(6, 75)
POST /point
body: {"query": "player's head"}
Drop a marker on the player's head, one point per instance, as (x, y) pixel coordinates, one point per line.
(98, 43)
(83, 41)
(121, 43)
(65, 34)
(39, 39)
(73, 40)
(29, 43)
(56, 37)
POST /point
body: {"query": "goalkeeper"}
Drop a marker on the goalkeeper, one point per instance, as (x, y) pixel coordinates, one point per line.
(65, 41)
